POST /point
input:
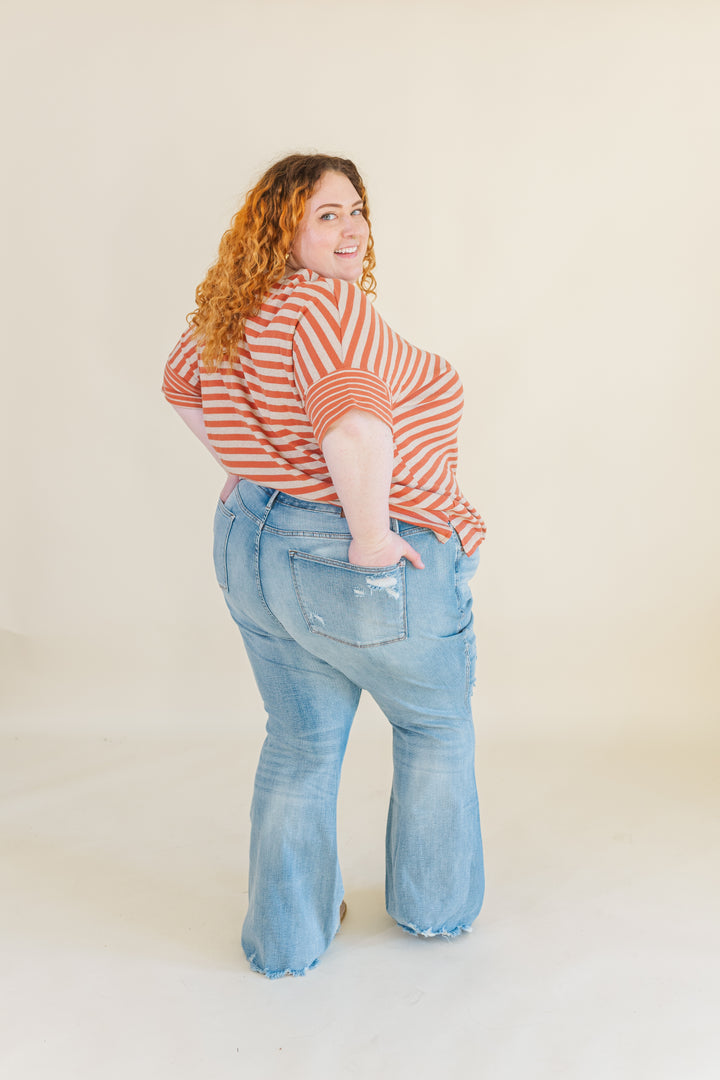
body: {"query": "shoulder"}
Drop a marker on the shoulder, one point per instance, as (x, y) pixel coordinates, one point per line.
(188, 346)
(309, 290)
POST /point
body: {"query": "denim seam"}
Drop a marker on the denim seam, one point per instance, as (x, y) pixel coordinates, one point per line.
(458, 551)
(468, 674)
(261, 524)
(413, 530)
(280, 974)
(306, 532)
(352, 567)
(443, 932)
(311, 507)
(354, 644)
(247, 512)
(229, 522)
(288, 532)
(469, 681)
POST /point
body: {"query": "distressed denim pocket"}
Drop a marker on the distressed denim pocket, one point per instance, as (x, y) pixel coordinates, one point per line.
(223, 523)
(360, 606)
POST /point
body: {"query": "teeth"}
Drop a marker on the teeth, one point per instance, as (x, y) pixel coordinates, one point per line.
(346, 251)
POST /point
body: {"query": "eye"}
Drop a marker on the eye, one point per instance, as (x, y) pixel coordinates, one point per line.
(358, 211)
(328, 216)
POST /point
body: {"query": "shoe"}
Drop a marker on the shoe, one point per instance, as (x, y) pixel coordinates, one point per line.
(343, 910)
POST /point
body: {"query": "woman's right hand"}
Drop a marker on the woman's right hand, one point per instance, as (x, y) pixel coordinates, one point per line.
(386, 552)
(228, 487)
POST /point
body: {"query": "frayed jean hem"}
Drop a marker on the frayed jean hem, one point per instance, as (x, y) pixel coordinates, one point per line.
(287, 971)
(281, 974)
(443, 932)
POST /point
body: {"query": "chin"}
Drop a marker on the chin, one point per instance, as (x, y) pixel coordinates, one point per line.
(348, 273)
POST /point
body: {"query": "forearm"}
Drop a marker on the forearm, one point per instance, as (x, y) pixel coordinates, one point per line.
(194, 419)
(358, 450)
(359, 453)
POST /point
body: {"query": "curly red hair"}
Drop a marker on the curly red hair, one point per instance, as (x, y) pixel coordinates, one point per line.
(254, 250)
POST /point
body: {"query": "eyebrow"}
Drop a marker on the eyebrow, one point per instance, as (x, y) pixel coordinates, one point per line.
(337, 205)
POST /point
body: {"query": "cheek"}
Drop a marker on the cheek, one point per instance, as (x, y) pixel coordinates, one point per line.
(300, 243)
(310, 241)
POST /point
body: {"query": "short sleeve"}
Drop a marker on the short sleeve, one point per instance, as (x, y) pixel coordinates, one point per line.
(181, 382)
(339, 356)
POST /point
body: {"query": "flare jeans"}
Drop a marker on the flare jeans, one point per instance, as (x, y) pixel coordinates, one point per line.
(318, 631)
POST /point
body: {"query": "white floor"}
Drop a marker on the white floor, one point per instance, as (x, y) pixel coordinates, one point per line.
(124, 884)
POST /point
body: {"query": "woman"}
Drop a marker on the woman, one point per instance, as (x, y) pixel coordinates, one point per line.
(345, 554)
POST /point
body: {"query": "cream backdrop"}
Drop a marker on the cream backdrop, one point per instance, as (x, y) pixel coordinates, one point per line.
(543, 179)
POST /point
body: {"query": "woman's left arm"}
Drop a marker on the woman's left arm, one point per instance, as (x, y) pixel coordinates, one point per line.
(195, 420)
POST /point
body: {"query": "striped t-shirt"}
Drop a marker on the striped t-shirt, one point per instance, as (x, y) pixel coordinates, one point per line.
(317, 348)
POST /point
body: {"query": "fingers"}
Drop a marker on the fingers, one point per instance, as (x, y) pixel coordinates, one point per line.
(387, 553)
(228, 487)
(413, 557)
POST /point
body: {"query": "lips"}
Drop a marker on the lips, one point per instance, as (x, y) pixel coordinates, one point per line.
(347, 250)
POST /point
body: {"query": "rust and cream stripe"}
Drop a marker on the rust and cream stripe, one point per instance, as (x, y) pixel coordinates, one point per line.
(317, 348)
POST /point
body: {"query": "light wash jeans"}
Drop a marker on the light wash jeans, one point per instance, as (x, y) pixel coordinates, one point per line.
(318, 631)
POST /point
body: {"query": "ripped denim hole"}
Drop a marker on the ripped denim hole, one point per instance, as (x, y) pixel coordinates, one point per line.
(388, 584)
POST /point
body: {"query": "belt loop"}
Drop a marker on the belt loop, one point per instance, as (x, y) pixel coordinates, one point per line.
(394, 525)
(268, 508)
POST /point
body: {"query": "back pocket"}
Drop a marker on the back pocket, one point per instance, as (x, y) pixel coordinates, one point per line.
(360, 606)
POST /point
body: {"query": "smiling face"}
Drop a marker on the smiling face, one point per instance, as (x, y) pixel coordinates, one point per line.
(332, 237)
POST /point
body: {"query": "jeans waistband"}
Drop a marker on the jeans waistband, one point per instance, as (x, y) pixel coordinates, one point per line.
(258, 499)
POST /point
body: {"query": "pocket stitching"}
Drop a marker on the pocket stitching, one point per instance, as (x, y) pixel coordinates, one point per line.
(300, 557)
(220, 549)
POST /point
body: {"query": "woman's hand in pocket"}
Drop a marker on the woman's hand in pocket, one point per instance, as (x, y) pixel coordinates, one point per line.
(385, 552)
(228, 487)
